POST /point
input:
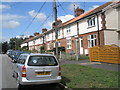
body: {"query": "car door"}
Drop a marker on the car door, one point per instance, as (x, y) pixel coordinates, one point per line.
(20, 64)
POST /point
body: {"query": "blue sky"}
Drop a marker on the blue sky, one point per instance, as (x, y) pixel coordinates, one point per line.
(16, 16)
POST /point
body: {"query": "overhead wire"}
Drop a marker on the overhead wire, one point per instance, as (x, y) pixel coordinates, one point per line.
(60, 4)
(34, 17)
(45, 20)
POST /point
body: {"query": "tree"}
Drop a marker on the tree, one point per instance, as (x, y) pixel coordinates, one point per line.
(15, 43)
(42, 49)
(5, 47)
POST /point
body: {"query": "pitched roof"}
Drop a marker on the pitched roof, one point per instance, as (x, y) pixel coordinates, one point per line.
(88, 13)
(115, 4)
(32, 38)
(93, 11)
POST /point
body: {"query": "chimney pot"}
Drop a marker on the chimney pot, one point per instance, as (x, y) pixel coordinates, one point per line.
(78, 11)
(58, 23)
(31, 36)
(44, 30)
(36, 34)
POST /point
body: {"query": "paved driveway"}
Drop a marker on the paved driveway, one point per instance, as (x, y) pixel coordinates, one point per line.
(107, 66)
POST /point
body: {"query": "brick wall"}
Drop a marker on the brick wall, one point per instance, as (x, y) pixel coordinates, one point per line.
(85, 39)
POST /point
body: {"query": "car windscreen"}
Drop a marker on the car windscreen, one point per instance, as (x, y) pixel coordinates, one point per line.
(42, 61)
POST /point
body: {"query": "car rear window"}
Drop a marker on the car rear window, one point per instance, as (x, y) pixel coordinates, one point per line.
(42, 61)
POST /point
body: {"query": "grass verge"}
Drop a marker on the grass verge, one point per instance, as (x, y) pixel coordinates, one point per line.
(77, 76)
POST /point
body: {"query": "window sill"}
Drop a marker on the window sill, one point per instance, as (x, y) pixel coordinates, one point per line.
(69, 48)
(69, 33)
(90, 27)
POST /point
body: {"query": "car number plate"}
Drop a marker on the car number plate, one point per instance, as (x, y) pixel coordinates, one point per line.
(42, 73)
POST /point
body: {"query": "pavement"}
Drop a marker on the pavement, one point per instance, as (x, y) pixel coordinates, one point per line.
(106, 66)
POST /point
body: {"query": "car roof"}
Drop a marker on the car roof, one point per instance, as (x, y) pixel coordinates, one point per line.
(35, 54)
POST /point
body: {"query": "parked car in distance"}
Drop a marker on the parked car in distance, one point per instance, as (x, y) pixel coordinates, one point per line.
(35, 69)
(17, 54)
(8, 52)
(12, 53)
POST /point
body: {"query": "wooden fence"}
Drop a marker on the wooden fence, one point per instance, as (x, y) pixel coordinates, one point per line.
(107, 53)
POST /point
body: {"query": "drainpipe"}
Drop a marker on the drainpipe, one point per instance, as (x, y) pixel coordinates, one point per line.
(27, 46)
(98, 29)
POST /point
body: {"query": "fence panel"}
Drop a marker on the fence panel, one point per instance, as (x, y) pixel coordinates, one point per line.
(106, 53)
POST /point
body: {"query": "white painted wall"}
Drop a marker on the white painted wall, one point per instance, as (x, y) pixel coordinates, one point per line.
(50, 37)
(31, 43)
(60, 36)
(83, 26)
(110, 37)
(53, 35)
(73, 32)
(37, 41)
(23, 44)
(111, 19)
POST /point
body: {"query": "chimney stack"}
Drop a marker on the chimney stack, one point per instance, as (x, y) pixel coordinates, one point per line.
(58, 22)
(44, 30)
(36, 34)
(78, 11)
(31, 36)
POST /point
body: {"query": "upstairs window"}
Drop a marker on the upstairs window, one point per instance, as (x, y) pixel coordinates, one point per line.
(68, 30)
(91, 22)
(41, 40)
(58, 32)
(48, 36)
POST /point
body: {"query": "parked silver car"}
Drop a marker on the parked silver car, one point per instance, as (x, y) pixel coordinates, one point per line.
(32, 69)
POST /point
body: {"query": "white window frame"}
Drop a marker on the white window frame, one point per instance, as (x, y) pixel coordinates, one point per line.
(59, 32)
(54, 45)
(48, 46)
(47, 36)
(41, 39)
(59, 43)
(68, 29)
(69, 43)
(81, 42)
(91, 21)
(92, 41)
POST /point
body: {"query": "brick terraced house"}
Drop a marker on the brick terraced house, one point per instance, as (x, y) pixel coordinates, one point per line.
(98, 26)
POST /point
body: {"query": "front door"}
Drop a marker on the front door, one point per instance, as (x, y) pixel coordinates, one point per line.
(81, 45)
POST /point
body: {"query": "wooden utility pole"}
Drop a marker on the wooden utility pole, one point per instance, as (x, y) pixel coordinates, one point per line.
(56, 31)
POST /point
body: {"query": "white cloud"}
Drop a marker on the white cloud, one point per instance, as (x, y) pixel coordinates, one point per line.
(65, 18)
(40, 16)
(73, 5)
(3, 7)
(10, 24)
(95, 6)
(10, 21)
(22, 36)
(6, 17)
